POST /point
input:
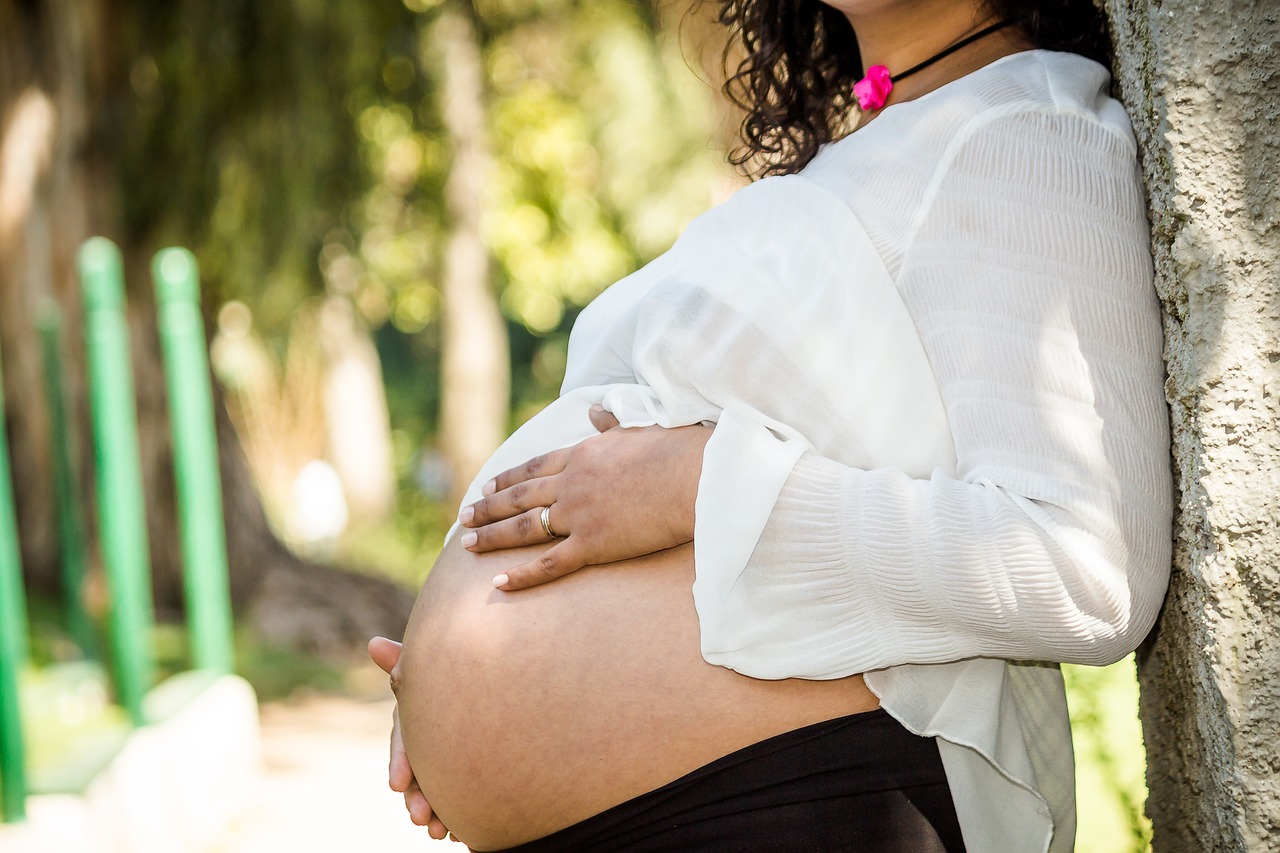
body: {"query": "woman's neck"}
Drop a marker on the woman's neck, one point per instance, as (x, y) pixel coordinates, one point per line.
(899, 35)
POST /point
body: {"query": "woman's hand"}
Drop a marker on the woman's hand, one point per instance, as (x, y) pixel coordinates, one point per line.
(621, 494)
(386, 654)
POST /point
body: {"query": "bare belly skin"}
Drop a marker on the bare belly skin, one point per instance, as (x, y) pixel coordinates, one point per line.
(527, 712)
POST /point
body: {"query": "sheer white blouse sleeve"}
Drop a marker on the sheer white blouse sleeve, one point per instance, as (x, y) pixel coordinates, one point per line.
(1026, 271)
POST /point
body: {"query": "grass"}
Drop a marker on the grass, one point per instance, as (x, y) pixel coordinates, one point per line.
(72, 727)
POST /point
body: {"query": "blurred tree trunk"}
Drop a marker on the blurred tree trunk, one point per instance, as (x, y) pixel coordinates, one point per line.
(43, 118)
(475, 363)
(356, 416)
(1202, 83)
(62, 82)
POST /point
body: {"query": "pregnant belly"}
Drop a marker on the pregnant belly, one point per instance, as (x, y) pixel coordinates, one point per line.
(526, 712)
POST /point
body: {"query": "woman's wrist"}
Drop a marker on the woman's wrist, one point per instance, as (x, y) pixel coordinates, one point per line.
(694, 442)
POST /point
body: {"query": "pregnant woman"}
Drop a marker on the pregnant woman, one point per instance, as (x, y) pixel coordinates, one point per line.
(890, 441)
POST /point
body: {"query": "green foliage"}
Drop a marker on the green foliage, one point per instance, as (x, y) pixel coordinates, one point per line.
(600, 164)
(402, 548)
(1110, 763)
(297, 146)
(277, 672)
(599, 136)
(234, 137)
(603, 136)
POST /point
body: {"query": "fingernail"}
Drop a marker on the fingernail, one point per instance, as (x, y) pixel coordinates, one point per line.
(500, 580)
(489, 488)
(596, 407)
(469, 538)
(466, 514)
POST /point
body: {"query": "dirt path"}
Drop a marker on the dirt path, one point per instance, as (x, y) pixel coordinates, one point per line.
(324, 786)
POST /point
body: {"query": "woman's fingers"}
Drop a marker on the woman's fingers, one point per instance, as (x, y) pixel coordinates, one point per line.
(420, 812)
(415, 802)
(385, 653)
(551, 564)
(402, 779)
(539, 466)
(509, 503)
(436, 829)
(399, 773)
(525, 529)
(602, 419)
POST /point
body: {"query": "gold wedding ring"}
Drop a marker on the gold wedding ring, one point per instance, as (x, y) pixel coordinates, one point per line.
(546, 523)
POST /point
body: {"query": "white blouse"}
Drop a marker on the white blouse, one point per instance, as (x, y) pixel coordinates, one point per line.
(933, 359)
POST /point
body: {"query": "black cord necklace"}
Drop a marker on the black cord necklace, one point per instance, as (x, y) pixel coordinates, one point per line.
(872, 90)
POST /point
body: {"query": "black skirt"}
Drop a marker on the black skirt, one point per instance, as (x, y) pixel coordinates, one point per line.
(856, 783)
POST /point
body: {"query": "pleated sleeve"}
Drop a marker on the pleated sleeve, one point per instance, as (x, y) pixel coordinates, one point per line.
(1047, 535)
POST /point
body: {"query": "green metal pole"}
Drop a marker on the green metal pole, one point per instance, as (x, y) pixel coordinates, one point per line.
(70, 523)
(122, 520)
(195, 451)
(13, 644)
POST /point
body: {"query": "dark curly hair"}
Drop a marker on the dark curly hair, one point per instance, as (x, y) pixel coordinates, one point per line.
(802, 61)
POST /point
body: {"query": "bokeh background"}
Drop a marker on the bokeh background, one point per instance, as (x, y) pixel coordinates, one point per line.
(398, 208)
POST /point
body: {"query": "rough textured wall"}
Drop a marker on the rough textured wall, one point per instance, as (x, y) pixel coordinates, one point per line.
(1202, 81)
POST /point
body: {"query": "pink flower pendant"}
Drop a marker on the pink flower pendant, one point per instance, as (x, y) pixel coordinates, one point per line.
(872, 90)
